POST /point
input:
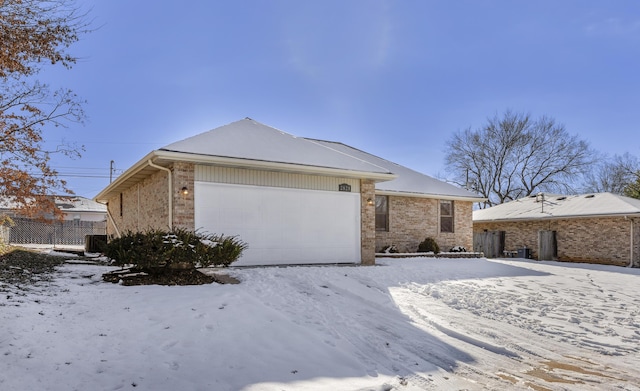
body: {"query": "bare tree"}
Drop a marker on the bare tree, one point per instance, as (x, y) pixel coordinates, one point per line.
(613, 175)
(514, 156)
(633, 189)
(34, 33)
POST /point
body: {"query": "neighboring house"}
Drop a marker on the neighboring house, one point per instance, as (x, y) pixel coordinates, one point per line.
(595, 228)
(80, 217)
(293, 200)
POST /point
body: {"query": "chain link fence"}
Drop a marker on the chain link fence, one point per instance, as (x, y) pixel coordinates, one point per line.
(68, 232)
(4, 234)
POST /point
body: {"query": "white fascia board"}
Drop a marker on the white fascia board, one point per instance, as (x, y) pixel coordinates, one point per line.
(170, 156)
(431, 196)
(103, 197)
(551, 217)
(273, 166)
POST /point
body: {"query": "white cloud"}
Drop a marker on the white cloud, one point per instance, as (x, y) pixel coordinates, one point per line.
(614, 26)
(325, 42)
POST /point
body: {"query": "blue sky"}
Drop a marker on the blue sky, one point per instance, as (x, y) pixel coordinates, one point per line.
(394, 78)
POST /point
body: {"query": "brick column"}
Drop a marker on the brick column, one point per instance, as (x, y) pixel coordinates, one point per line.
(183, 204)
(367, 223)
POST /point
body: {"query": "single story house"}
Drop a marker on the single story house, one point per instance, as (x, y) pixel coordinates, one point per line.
(596, 228)
(81, 216)
(72, 207)
(294, 200)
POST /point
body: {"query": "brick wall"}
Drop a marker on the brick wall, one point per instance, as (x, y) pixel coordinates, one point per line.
(367, 222)
(463, 236)
(604, 240)
(636, 242)
(412, 219)
(183, 206)
(145, 205)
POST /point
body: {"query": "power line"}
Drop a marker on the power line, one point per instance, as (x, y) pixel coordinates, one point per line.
(82, 168)
(72, 175)
(84, 172)
(82, 176)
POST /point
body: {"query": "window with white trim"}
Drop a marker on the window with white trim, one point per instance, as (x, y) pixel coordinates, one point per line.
(446, 216)
(382, 213)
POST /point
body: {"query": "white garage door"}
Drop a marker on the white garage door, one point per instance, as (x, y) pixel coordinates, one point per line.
(282, 226)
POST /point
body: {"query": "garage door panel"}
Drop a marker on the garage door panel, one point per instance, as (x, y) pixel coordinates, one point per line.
(282, 226)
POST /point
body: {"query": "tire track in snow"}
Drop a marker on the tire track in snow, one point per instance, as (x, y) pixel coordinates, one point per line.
(386, 344)
(499, 317)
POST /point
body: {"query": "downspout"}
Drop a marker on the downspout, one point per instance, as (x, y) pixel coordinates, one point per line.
(170, 188)
(113, 222)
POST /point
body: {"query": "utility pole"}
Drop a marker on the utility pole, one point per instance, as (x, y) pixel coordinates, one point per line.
(111, 172)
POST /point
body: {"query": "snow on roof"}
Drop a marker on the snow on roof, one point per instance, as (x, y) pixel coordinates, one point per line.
(546, 206)
(251, 140)
(408, 180)
(63, 202)
(79, 204)
(257, 144)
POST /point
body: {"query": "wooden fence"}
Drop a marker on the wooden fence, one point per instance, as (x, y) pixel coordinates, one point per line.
(547, 246)
(491, 243)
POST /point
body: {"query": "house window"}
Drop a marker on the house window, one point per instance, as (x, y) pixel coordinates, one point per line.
(382, 213)
(446, 216)
(121, 208)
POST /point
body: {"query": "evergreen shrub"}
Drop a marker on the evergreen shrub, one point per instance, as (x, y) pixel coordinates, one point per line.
(428, 245)
(176, 248)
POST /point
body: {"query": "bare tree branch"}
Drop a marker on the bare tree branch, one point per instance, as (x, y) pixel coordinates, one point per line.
(514, 156)
(618, 175)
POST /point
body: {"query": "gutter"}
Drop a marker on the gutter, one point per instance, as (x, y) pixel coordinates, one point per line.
(169, 188)
(431, 196)
(133, 170)
(172, 156)
(275, 166)
(103, 196)
(553, 217)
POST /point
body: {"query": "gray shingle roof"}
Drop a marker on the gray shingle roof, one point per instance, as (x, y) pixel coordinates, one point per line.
(248, 143)
(251, 140)
(560, 206)
(79, 204)
(408, 181)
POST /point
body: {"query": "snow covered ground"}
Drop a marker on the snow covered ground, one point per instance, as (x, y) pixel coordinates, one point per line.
(408, 324)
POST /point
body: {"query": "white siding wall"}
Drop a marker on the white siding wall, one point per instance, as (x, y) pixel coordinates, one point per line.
(281, 225)
(86, 216)
(241, 176)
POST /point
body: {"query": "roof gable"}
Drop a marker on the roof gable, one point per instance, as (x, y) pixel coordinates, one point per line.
(250, 144)
(547, 206)
(251, 140)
